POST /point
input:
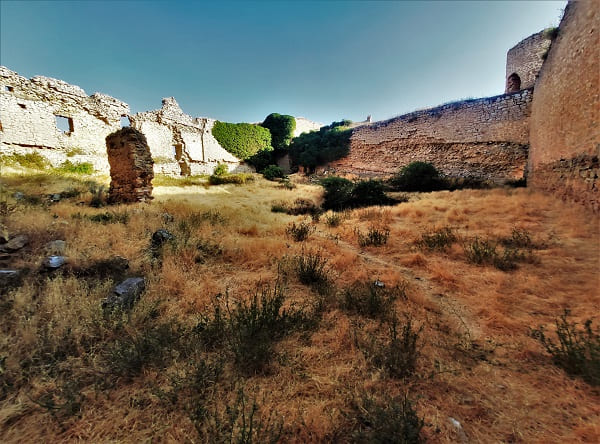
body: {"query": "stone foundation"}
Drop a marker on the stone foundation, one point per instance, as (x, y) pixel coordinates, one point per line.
(131, 166)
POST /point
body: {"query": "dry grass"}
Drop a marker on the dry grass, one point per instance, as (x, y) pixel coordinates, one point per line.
(477, 364)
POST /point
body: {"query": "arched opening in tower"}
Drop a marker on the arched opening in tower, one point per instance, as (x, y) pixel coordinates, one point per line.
(513, 84)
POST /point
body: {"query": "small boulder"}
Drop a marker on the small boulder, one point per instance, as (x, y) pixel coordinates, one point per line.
(15, 244)
(54, 262)
(4, 237)
(160, 237)
(125, 294)
(56, 247)
(8, 277)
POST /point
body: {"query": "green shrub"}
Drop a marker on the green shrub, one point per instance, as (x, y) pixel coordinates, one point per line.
(341, 194)
(221, 170)
(518, 239)
(577, 351)
(333, 220)
(162, 180)
(319, 147)
(76, 168)
(337, 193)
(243, 140)
(98, 197)
(375, 237)
(392, 420)
(485, 252)
(481, 251)
(250, 329)
(299, 232)
(239, 422)
(279, 207)
(262, 159)
(311, 269)
(112, 217)
(439, 239)
(237, 179)
(417, 176)
(282, 129)
(153, 346)
(272, 172)
(29, 160)
(398, 356)
(370, 300)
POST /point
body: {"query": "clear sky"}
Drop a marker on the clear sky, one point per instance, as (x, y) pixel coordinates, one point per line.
(240, 61)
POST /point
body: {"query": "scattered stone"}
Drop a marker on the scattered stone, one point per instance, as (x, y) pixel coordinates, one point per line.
(54, 262)
(8, 276)
(160, 237)
(125, 294)
(461, 433)
(15, 244)
(131, 166)
(167, 218)
(4, 237)
(56, 247)
(55, 197)
(18, 195)
(378, 284)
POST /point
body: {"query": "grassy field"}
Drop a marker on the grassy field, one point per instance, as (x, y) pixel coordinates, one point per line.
(245, 335)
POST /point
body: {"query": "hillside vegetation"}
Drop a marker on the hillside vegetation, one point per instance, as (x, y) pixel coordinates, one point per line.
(416, 321)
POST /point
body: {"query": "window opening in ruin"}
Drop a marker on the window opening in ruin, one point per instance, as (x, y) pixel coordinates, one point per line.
(513, 83)
(8, 88)
(22, 105)
(124, 121)
(65, 124)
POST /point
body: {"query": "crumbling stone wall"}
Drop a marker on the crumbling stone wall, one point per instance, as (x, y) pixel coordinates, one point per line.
(482, 138)
(565, 118)
(182, 144)
(28, 119)
(524, 60)
(303, 125)
(131, 166)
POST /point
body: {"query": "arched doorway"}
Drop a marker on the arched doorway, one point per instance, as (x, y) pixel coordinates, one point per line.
(513, 83)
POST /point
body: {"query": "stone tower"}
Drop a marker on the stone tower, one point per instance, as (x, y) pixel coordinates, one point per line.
(524, 61)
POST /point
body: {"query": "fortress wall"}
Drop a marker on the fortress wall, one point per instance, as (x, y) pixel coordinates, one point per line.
(526, 58)
(28, 123)
(565, 119)
(482, 138)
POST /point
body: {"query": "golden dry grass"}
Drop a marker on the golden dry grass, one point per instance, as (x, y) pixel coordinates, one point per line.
(478, 362)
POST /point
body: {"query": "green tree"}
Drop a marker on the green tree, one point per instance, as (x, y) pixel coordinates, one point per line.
(282, 130)
(243, 140)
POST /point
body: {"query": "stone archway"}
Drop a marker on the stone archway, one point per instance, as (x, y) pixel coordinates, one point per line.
(513, 83)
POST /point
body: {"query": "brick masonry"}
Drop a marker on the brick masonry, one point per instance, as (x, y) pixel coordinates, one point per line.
(565, 118)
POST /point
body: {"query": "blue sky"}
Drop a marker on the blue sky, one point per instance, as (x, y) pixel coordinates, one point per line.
(240, 61)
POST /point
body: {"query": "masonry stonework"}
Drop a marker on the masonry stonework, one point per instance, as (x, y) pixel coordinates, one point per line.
(131, 171)
(182, 144)
(565, 119)
(29, 109)
(481, 138)
(524, 60)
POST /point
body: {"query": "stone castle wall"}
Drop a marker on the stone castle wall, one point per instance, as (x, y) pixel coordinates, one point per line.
(28, 119)
(565, 119)
(181, 144)
(525, 60)
(482, 138)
